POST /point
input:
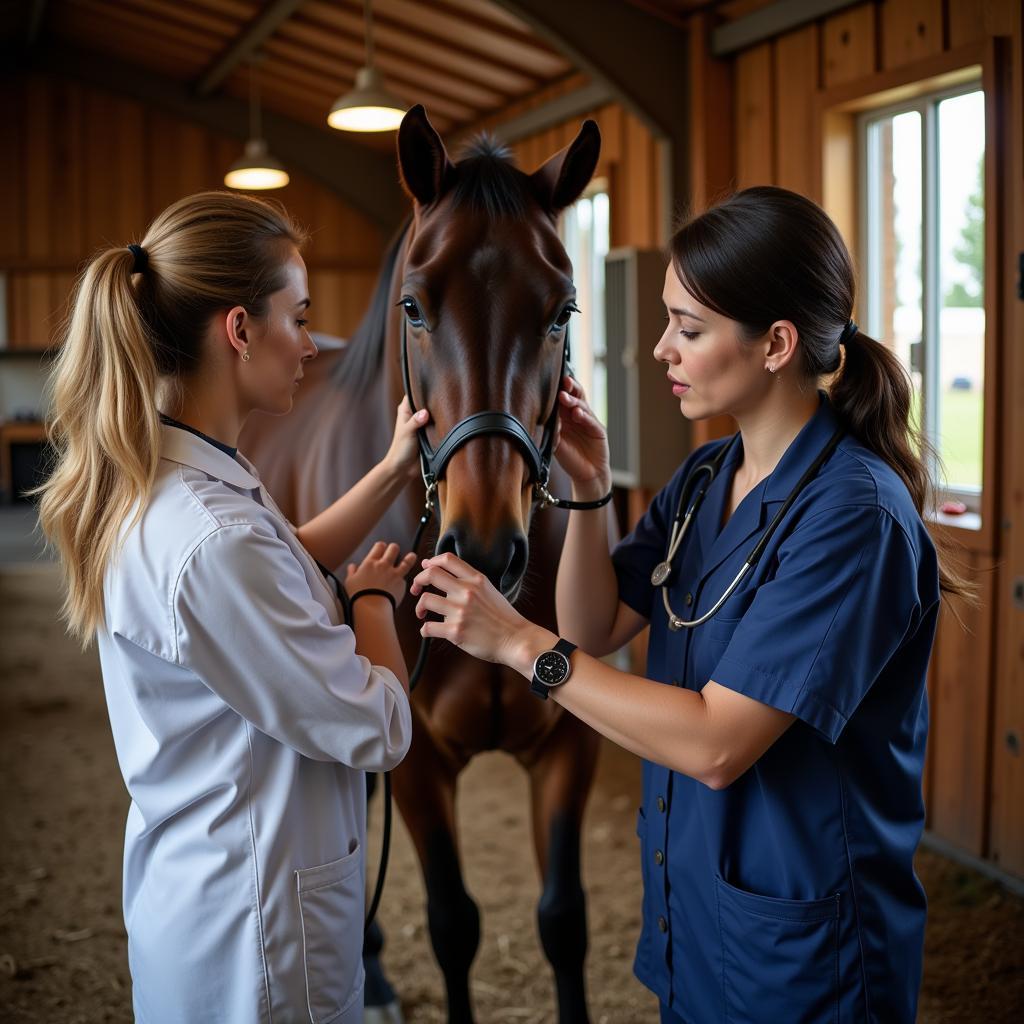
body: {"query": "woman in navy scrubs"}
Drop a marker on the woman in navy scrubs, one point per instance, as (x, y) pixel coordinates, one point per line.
(783, 738)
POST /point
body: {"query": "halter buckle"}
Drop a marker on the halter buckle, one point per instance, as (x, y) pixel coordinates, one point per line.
(429, 498)
(547, 499)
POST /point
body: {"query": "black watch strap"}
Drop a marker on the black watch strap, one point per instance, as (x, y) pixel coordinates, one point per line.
(537, 686)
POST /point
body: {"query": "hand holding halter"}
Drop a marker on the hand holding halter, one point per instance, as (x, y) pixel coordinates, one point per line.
(433, 462)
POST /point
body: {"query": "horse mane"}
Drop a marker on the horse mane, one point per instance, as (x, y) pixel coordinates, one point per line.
(365, 351)
(485, 179)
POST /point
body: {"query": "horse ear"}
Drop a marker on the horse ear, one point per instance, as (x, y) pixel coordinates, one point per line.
(560, 181)
(422, 159)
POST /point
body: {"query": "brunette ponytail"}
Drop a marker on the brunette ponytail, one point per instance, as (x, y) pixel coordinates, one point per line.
(767, 254)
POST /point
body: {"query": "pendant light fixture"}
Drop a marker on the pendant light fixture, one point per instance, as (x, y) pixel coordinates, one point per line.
(257, 169)
(369, 107)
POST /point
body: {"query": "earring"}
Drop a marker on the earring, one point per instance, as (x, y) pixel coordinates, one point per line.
(246, 356)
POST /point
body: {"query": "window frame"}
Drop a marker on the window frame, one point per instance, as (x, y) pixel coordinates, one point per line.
(926, 106)
(834, 184)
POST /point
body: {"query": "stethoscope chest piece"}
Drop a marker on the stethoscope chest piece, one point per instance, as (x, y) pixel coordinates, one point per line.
(661, 573)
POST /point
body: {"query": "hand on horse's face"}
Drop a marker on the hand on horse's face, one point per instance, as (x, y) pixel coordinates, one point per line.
(381, 569)
(403, 455)
(475, 616)
(581, 444)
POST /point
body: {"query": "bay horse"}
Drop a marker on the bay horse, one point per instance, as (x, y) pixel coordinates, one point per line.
(484, 287)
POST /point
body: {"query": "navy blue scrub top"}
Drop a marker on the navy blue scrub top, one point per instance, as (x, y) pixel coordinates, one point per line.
(790, 895)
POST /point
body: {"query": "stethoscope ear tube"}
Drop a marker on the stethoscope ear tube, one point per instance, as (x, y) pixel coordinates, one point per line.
(662, 572)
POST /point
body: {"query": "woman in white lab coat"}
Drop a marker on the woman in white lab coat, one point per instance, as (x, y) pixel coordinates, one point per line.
(244, 712)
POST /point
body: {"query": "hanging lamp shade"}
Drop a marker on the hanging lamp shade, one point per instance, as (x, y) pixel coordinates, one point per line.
(256, 170)
(369, 107)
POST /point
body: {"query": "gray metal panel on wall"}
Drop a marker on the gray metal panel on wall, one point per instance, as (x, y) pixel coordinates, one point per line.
(648, 436)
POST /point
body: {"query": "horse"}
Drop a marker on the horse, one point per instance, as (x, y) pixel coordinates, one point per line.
(472, 302)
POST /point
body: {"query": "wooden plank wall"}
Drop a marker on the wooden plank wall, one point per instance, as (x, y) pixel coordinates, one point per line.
(89, 169)
(975, 780)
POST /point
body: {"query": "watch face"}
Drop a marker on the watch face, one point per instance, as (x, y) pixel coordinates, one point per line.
(552, 668)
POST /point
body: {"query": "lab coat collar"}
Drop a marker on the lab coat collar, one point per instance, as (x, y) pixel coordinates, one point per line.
(752, 515)
(185, 448)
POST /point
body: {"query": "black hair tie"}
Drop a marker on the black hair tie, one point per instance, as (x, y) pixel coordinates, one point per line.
(141, 258)
(849, 331)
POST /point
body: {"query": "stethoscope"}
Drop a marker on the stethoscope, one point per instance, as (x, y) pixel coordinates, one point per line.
(690, 500)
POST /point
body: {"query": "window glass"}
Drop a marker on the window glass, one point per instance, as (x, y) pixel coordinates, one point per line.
(924, 273)
(585, 234)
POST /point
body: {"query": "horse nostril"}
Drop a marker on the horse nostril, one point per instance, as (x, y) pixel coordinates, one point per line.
(449, 542)
(516, 567)
(503, 562)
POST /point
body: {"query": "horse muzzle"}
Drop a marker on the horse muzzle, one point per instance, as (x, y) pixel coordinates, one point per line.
(502, 560)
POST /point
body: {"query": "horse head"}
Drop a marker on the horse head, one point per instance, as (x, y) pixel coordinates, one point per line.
(486, 293)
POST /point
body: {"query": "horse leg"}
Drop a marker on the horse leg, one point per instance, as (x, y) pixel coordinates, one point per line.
(424, 787)
(560, 779)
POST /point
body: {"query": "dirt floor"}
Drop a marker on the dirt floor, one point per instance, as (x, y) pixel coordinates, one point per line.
(62, 942)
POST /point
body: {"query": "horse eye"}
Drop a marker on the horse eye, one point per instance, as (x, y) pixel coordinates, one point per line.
(412, 311)
(563, 318)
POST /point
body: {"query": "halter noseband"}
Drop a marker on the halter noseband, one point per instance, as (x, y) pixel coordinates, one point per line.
(434, 461)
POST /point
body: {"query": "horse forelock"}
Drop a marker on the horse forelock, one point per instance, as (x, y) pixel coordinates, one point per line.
(486, 179)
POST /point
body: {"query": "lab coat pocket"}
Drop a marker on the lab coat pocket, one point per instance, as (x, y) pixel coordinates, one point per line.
(780, 958)
(331, 908)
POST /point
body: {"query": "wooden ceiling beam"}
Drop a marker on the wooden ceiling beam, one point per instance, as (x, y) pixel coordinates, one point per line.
(393, 33)
(304, 42)
(248, 40)
(640, 58)
(364, 179)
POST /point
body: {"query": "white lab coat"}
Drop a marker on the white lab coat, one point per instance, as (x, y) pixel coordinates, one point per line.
(243, 721)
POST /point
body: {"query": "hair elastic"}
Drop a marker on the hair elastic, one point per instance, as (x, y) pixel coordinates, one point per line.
(849, 331)
(141, 258)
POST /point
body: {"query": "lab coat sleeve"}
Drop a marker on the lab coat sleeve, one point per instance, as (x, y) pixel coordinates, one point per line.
(817, 635)
(248, 625)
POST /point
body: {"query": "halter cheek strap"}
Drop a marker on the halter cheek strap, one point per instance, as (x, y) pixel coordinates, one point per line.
(434, 462)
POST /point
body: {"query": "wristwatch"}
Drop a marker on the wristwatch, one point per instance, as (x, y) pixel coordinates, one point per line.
(551, 668)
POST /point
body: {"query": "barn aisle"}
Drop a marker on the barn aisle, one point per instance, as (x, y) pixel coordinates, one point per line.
(62, 943)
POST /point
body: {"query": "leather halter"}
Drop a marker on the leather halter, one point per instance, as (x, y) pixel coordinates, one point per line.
(434, 461)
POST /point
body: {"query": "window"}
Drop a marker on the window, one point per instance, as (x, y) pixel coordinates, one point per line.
(585, 232)
(923, 217)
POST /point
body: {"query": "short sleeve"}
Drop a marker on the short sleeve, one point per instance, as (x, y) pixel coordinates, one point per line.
(816, 636)
(247, 624)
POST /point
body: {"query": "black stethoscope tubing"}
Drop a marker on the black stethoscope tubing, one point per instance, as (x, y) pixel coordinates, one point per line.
(691, 499)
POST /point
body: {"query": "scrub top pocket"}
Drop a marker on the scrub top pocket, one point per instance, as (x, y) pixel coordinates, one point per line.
(780, 958)
(331, 907)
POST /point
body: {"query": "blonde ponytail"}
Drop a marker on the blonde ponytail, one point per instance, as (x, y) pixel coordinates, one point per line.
(126, 334)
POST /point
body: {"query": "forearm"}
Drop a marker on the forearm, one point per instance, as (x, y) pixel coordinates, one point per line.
(335, 533)
(586, 588)
(665, 724)
(376, 638)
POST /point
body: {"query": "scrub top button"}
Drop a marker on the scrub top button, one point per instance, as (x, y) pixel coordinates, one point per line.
(662, 924)
(659, 858)
(661, 804)
(688, 600)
